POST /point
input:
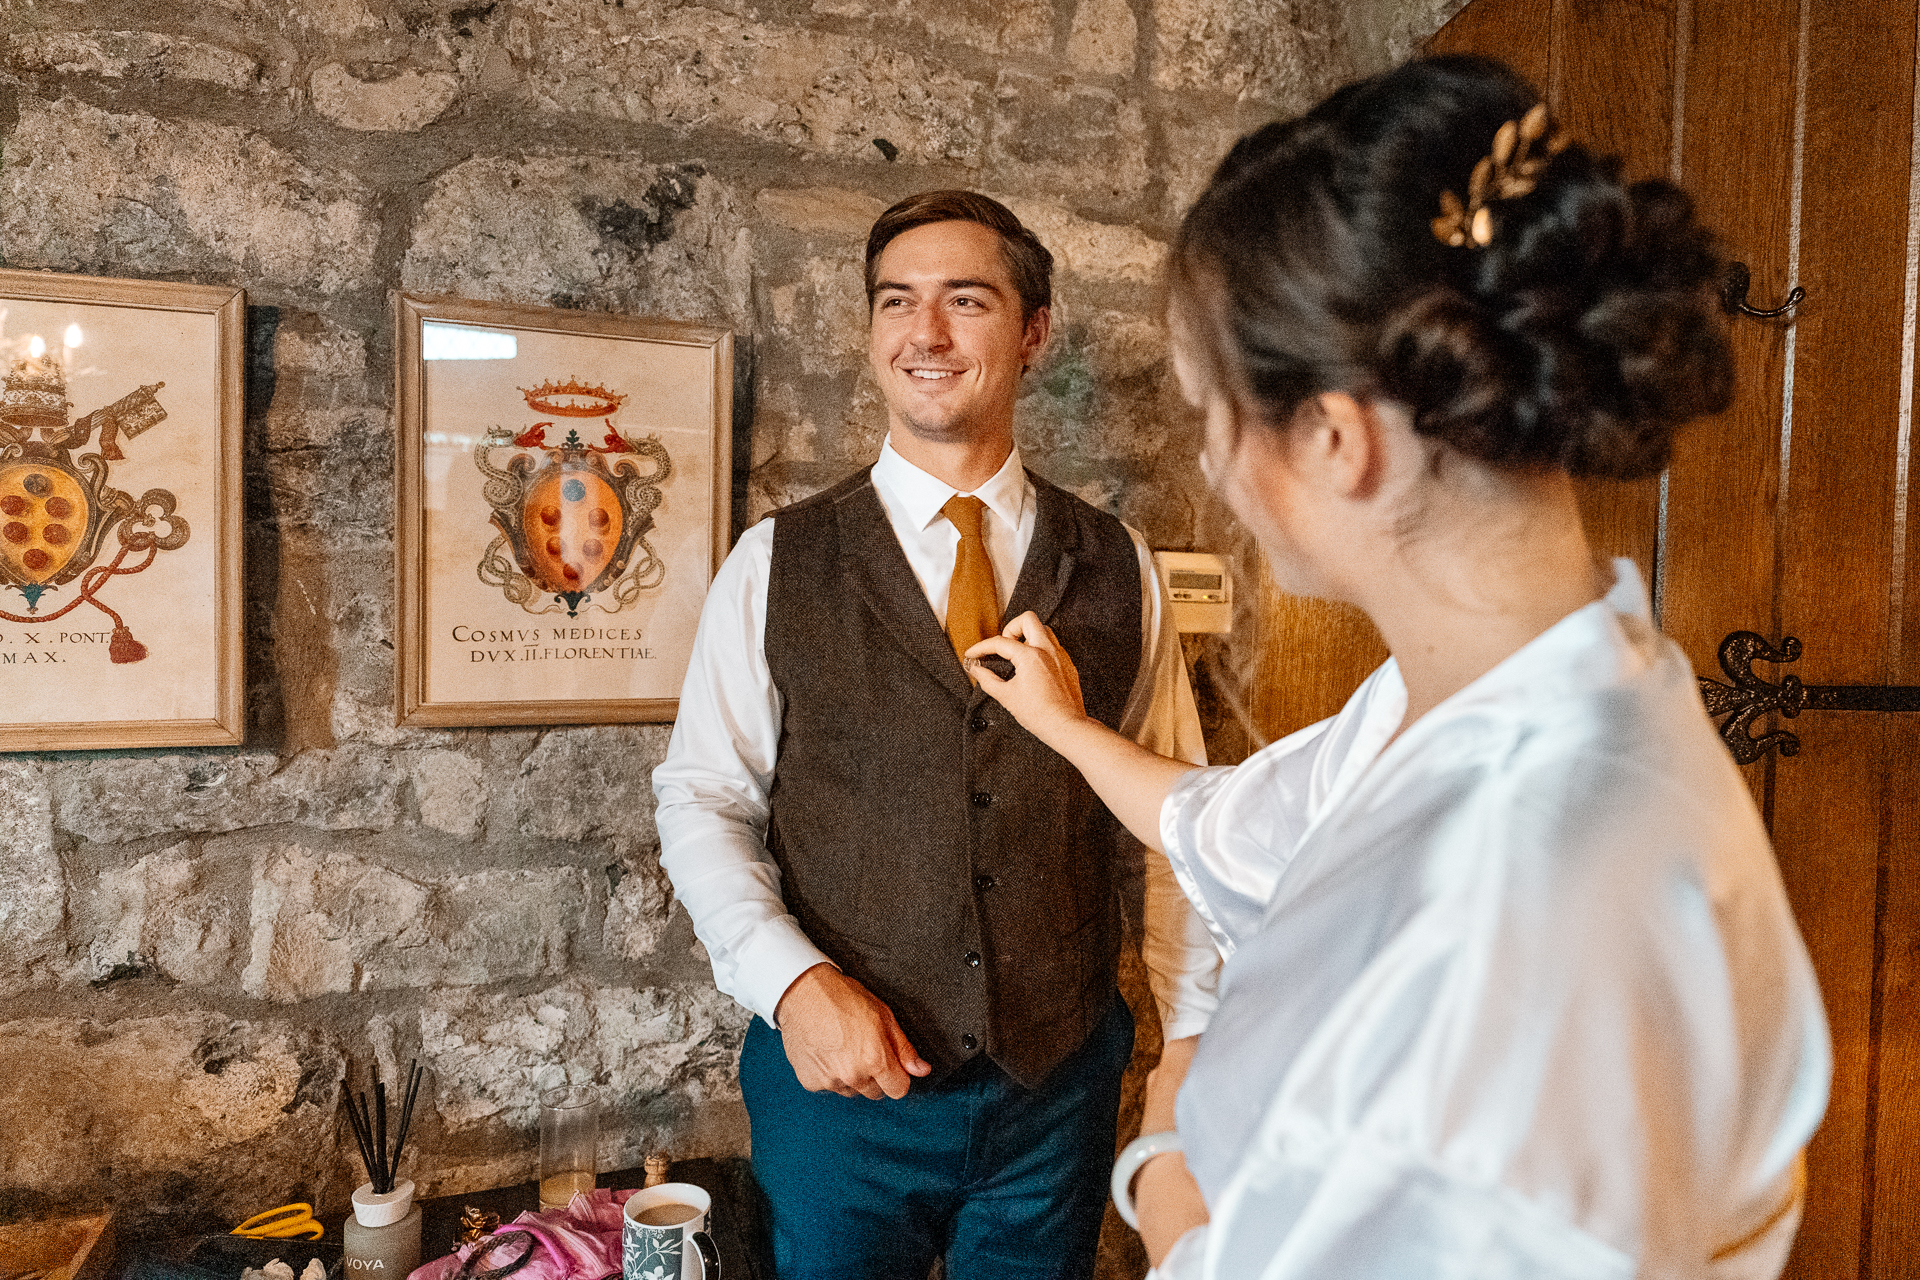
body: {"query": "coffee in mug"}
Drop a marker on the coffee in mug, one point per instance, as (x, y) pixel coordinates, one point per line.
(667, 1215)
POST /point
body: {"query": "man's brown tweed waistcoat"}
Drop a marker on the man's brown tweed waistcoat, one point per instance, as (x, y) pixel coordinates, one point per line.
(929, 845)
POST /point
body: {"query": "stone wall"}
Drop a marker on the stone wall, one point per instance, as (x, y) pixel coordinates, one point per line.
(193, 944)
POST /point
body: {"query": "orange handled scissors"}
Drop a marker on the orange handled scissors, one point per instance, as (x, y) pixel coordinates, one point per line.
(284, 1223)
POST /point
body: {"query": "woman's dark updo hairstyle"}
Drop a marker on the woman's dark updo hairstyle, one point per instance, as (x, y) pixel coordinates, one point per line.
(1581, 337)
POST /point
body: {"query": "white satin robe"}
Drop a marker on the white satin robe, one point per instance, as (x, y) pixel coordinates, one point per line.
(1518, 995)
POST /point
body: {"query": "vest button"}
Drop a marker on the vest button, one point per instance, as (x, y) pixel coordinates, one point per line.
(980, 724)
(973, 959)
(984, 883)
(968, 1043)
(981, 799)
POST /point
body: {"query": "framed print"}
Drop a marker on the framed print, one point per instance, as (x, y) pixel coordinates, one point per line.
(563, 502)
(120, 422)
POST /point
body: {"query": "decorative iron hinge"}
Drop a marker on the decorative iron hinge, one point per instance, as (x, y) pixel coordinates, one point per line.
(1749, 697)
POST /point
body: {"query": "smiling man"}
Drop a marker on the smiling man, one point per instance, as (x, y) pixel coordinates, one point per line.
(917, 897)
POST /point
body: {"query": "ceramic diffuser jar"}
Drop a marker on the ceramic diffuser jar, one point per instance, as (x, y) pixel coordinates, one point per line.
(381, 1241)
(382, 1238)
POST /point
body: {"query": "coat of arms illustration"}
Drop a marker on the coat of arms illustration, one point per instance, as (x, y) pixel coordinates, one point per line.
(572, 516)
(57, 512)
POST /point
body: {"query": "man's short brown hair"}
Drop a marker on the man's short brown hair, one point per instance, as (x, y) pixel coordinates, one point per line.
(1028, 261)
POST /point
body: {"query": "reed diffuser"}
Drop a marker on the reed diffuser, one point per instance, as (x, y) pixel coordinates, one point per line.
(382, 1238)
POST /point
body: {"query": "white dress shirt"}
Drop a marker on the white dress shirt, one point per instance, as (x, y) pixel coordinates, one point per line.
(1515, 994)
(713, 786)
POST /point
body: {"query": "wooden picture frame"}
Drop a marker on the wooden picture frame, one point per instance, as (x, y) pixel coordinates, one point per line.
(563, 490)
(120, 558)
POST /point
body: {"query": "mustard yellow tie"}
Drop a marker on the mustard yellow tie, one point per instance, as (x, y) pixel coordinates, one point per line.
(973, 606)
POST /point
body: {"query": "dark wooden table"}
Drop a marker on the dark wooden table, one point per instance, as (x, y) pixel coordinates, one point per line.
(737, 1224)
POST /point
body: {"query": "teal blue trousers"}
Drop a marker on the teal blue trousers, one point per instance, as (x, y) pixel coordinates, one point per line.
(1004, 1182)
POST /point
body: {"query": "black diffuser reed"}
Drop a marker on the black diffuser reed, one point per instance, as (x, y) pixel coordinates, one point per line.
(370, 1127)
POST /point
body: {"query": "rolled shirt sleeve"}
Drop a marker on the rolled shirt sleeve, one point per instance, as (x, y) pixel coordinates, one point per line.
(1230, 831)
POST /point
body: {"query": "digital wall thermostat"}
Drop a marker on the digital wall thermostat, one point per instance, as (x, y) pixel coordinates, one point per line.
(1202, 589)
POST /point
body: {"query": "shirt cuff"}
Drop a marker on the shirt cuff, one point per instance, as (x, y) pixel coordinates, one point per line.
(1187, 1022)
(778, 954)
(1180, 814)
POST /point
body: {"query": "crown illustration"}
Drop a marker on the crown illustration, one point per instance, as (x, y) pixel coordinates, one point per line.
(34, 394)
(572, 399)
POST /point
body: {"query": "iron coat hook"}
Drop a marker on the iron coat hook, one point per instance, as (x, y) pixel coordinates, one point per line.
(1733, 295)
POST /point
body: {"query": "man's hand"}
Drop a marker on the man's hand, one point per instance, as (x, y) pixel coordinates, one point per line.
(841, 1039)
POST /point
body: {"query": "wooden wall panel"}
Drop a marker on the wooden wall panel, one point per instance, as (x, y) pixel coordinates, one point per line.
(1613, 77)
(1718, 557)
(1836, 549)
(1737, 160)
(1518, 32)
(1835, 558)
(1896, 1133)
(1895, 1226)
(1826, 829)
(1314, 654)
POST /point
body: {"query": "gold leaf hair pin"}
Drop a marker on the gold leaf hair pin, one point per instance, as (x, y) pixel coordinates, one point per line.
(1510, 171)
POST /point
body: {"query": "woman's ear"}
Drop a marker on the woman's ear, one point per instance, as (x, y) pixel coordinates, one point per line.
(1221, 436)
(1345, 438)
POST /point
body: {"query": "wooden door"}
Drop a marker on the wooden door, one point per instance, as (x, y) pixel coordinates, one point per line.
(1792, 122)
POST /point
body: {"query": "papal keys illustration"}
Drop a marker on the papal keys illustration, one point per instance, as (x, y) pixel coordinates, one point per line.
(575, 515)
(56, 511)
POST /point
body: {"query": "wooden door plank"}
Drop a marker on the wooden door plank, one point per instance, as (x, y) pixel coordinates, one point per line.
(1614, 64)
(1896, 1135)
(1825, 828)
(1896, 1143)
(1835, 556)
(1836, 538)
(1737, 161)
(1518, 32)
(1718, 554)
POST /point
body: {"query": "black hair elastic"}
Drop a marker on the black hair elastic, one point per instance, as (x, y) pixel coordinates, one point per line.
(487, 1245)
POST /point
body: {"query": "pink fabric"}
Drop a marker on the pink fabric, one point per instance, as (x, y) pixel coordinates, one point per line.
(579, 1242)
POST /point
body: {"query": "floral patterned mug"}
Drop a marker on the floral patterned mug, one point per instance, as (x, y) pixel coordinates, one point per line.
(664, 1235)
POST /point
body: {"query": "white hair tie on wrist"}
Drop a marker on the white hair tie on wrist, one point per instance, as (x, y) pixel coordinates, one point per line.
(1138, 1152)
